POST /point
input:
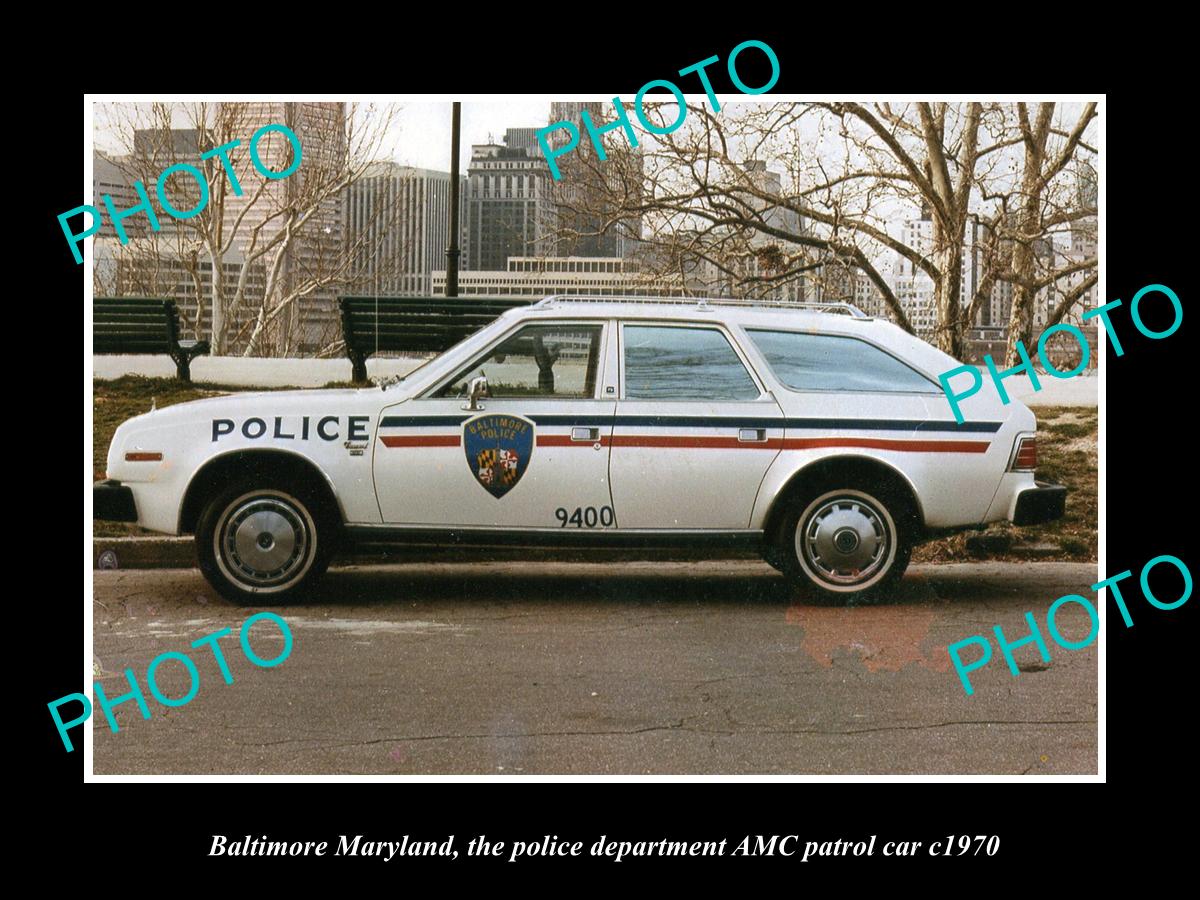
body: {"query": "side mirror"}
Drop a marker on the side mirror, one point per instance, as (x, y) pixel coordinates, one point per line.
(477, 389)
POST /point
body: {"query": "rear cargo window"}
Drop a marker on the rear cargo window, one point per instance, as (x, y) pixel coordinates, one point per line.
(825, 362)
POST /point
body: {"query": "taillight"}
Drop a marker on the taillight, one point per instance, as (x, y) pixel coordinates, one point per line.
(1025, 459)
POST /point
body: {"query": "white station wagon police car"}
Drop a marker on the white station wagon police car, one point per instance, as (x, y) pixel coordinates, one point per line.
(816, 434)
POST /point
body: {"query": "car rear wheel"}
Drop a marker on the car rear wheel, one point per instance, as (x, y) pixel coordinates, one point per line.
(263, 544)
(845, 545)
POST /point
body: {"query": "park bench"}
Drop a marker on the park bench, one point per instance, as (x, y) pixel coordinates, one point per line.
(142, 325)
(426, 324)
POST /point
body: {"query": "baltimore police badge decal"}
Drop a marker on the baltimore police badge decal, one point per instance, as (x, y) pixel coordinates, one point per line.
(498, 451)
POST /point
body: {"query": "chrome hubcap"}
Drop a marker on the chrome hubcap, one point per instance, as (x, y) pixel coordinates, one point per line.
(845, 540)
(264, 541)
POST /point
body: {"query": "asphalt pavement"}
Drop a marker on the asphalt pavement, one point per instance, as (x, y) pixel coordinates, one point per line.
(599, 668)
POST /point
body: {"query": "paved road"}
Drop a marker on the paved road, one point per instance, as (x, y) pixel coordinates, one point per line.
(619, 668)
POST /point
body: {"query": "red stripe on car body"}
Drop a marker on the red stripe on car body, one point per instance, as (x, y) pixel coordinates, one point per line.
(729, 443)
(709, 442)
(421, 440)
(884, 444)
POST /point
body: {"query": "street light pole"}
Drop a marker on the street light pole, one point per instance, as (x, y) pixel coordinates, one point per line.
(452, 251)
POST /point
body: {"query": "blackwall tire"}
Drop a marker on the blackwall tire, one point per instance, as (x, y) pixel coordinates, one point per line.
(264, 545)
(845, 546)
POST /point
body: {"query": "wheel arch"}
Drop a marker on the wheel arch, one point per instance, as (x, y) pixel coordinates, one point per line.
(847, 469)
(269, 461)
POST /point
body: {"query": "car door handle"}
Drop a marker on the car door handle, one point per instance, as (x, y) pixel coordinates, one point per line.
(579, 433)
(755, 435)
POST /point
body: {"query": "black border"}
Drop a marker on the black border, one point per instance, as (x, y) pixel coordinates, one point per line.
(1075, 829)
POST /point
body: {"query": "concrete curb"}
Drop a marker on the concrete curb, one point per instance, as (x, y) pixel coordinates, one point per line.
(143, 553)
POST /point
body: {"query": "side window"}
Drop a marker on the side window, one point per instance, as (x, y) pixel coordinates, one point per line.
(683, 364)
(543, 361)
(825, 362)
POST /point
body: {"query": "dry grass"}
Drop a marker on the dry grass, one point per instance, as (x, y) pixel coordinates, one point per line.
(1067, 454)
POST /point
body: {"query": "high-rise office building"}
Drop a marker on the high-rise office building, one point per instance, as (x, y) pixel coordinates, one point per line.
(775, 213)
(267, 210)
(508, 204)
(114, 176)
(1084, 242)
(154, 151)
(397, 228)
(523, 139)
(580, 194)
(144, 268)
(572, 111)
(168, 145)
(768, 252)
(1087, 186)
(841, 280)
(315, 250)
(914, 287)
(164, 262)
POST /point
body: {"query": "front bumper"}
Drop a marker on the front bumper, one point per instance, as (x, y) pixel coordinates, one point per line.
(1040, 503)
(113, 502)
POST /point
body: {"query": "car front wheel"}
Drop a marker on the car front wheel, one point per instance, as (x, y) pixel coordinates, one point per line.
(846, 544)
(262, 545)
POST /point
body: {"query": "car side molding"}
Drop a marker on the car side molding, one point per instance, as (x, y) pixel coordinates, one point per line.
(550, 537)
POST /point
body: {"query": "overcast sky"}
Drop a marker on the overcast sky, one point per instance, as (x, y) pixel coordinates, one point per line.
(424, 133)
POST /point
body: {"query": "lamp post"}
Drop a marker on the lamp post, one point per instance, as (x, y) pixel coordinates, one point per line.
(452, 251)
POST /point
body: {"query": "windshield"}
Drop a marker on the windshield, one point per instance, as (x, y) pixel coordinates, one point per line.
(442, 354)
(545, 359)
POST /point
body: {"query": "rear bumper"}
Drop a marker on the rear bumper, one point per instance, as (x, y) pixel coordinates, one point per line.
(1040, 503)
(113, 502)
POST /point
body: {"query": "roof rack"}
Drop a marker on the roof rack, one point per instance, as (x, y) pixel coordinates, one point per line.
(845, 309)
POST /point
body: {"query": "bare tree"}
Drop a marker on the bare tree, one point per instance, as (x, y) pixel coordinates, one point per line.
(847, 173)
(1038, 209)
(266, 244)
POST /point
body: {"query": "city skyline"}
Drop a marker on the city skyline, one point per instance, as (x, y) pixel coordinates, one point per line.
(512, 212)
(420, 134)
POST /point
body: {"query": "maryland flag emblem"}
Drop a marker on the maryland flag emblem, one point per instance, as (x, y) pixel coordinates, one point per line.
(498, 451)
